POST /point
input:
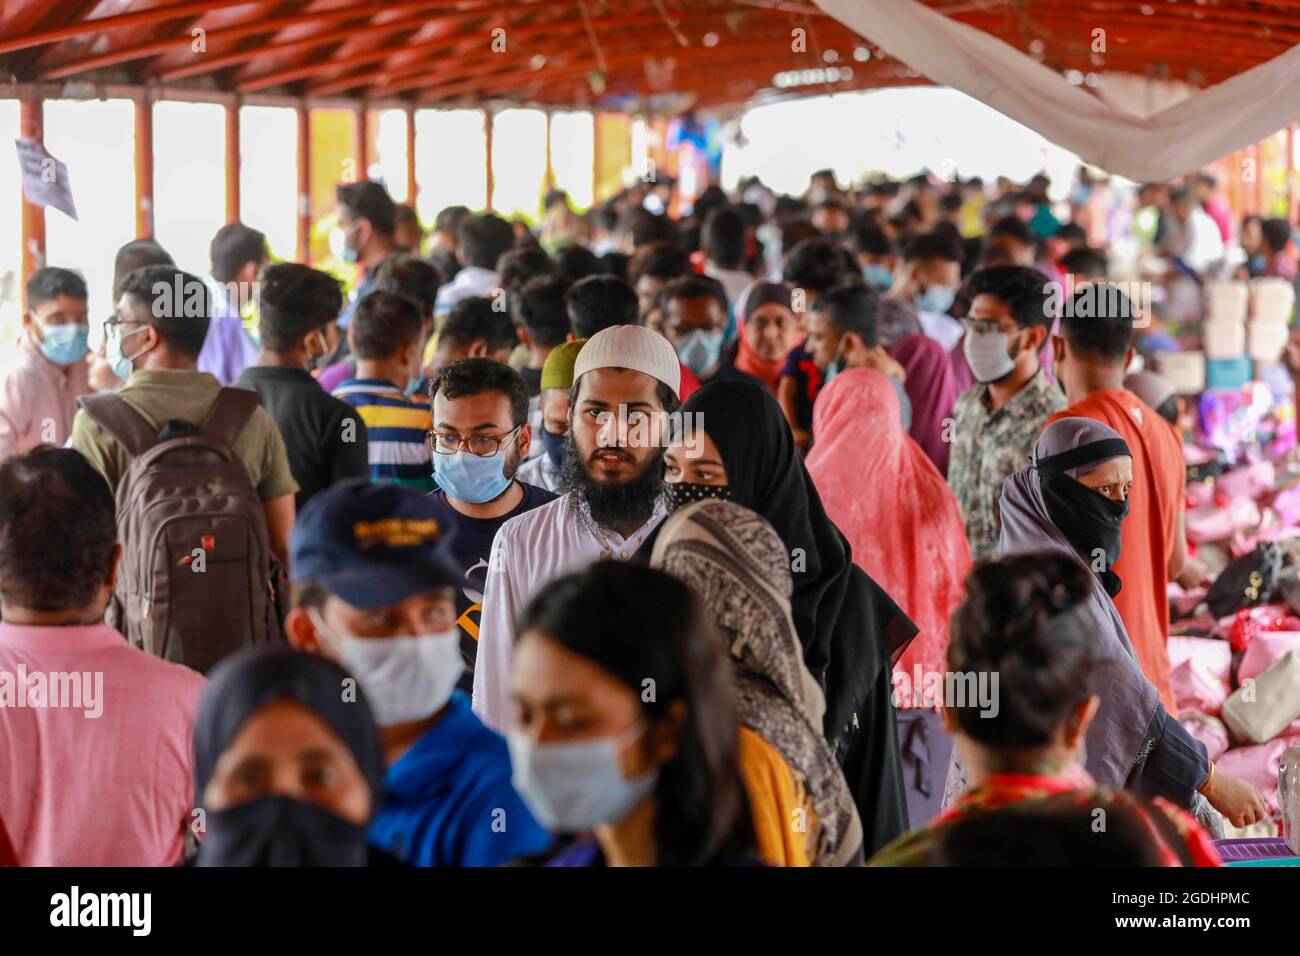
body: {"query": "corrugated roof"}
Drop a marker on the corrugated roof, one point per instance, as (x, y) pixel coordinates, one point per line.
(585, 52)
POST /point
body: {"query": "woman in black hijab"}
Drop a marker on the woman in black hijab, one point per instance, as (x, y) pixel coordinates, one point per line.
(287, 761)
(850, 629)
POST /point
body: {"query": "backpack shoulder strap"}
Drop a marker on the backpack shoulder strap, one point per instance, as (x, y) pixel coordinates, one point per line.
(115, 415)
(230, 413)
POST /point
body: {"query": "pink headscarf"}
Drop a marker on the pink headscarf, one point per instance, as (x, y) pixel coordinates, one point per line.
(932, 388)
(894, 507)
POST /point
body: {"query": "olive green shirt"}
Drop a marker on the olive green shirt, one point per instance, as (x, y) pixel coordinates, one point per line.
(163, 396)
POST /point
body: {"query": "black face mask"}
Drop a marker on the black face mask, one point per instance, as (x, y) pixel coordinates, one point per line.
(1090, 521)
(684, 493)
(554, 445)
(281, 831)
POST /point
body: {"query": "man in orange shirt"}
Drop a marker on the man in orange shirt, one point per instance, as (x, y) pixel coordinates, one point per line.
(1091, 355)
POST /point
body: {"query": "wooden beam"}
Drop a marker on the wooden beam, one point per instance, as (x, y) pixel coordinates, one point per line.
(238, 31)
(139, 18)
(233, 163)
(624, 58)
(447, 56)
(338, 37)
(438, 49)
(304, 183)
(32, 126)
(144, 207)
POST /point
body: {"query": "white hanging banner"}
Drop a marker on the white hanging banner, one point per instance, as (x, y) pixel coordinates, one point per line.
(1171, 142)
(45, 179)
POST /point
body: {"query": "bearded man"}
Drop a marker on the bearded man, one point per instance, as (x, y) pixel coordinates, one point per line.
(626, 382)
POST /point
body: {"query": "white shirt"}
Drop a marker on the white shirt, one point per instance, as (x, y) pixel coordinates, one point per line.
(734, 282)
(944, 329)
(540, 471)
(529, 551)
(470, 281)
(1202, 247)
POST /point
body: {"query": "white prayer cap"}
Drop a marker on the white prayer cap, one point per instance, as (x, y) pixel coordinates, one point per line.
(634, 347)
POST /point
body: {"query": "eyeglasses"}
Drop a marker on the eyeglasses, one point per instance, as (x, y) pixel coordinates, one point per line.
(115, 325)
(983, 326)
(483, 446)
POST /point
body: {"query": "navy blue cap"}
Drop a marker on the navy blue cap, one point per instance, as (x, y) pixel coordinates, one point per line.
(371, 545)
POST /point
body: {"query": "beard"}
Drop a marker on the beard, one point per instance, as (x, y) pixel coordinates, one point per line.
(614, 506)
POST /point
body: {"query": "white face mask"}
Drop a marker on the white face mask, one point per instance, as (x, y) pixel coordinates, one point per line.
(571, 787)
(405, 678)
(987, 355)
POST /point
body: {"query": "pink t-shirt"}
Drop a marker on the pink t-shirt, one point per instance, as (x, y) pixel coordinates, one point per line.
(96, 748)
(37, 399)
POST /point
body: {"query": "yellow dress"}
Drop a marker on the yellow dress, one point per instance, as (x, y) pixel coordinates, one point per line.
(784, 822)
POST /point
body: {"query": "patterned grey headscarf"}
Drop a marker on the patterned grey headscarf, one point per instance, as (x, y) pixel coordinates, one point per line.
(736, 563)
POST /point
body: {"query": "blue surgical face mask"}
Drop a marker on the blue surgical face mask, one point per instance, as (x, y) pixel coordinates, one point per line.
(700, 350)
(554, 445)
(470, 478)
(937, 299)
(340, 248)
(65, 344)
(413, 385)
(119, 363)
(572, 787)
(834, 368)
(878, 276)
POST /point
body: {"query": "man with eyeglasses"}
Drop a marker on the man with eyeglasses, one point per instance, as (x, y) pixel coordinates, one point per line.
(997, 421)
(480, 436)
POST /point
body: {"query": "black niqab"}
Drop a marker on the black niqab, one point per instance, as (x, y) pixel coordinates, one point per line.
(277, 830)
(1090, 521)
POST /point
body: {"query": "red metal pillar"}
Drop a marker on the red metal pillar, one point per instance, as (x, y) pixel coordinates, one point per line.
(360, 116)
(232, 162)
(32, 126)
(304, 183)
(144, 217)
(550, 166)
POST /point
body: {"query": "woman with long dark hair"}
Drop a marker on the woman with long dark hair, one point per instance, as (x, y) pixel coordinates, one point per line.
(627, 725)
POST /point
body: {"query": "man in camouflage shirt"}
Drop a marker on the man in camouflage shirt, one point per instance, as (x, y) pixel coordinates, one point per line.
(997, 423)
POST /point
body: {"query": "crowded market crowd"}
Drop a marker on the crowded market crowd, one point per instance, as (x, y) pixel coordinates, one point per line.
(901, 524)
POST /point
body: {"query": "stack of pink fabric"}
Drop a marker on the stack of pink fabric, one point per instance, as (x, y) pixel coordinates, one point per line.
(1203, 678)
(1200, 670)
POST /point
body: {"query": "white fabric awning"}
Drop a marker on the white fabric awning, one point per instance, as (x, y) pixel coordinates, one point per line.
(1171, 142)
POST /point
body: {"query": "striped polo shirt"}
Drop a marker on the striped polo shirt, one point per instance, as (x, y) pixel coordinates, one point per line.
(396, 426)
